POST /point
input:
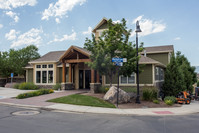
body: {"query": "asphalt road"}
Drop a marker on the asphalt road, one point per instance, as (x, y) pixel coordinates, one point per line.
(58, 122)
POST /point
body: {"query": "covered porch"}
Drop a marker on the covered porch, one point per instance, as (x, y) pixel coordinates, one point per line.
(79, 75)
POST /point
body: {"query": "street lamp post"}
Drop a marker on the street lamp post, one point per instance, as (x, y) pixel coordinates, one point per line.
(137, 74)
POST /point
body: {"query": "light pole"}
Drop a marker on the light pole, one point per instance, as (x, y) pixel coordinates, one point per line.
(137, 74)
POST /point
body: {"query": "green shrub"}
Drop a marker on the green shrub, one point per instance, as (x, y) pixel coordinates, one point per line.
(170, 100)
(130, 89)
(35, 93)
(16, 86)
(28, 86)
(149, 93)
(57, 86)
(156, 101)
(103, 89)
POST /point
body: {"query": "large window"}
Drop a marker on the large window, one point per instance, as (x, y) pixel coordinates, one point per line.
(38, 77)
(159, 73)
(128, 80)
(50, 76)
(44, 77)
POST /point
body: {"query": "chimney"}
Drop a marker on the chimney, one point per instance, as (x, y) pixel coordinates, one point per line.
(144, 53)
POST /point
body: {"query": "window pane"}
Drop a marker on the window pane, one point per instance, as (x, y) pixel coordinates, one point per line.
(50, 66)
(38, 66)
(156, 73)
(123, 80)
(44, 76)
(131, 79)
(44, 66)
(50, 76)
(38, 76)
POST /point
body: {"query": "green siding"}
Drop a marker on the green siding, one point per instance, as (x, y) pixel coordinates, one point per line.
(161, 57)
(30, 75)
(104, 26)
(146, 77)
(114, 79)
(60, 75)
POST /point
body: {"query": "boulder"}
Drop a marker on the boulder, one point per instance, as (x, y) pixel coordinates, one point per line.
(111, 96)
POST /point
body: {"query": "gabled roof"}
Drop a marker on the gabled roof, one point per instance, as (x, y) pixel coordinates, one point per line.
(159, 49)
(100, 24)
(81, 50)
(49, 57)
(147, 60)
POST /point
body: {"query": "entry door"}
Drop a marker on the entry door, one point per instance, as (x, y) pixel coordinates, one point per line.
(81, 79)
(87, 79)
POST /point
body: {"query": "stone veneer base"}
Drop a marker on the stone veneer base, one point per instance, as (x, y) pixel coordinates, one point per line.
(94, 87)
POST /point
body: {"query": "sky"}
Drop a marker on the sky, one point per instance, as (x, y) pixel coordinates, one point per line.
(54, 25)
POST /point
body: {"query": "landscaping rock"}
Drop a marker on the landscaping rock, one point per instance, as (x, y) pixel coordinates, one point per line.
(111, 96)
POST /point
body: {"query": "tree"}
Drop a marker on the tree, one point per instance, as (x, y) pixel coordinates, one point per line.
(114, 42)
(14, 61)
(187, 70)
(173, 82)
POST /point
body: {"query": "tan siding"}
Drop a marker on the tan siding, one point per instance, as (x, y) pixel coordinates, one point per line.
(161, 57)
(30, 75)
(147, 75)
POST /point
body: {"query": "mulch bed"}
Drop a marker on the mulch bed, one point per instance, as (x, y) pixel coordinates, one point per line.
(132, 104)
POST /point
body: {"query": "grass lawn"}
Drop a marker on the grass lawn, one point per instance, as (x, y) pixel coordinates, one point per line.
(78, 99)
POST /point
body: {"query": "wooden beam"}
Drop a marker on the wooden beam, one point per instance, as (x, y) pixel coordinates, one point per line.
(70, 73)
(92, 76)
(64, 73)
(78, 60)
(98, 77)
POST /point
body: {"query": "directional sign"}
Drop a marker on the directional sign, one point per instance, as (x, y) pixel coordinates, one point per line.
(12, 75)
(119, 59)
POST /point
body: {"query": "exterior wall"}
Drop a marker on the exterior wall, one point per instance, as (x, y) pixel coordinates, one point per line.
(146, 77)
(29, 75)
(104, 26)
(161, 57)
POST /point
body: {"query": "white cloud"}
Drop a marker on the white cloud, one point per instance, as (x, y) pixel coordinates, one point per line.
(60, 8)
(30, 37)
(11, 35)
(148, 26)
(64, 38)
(177, 38)
(1, 26)
(10, 4)
(12, 15)
(57, 20)
(88, 32)
(117, 21)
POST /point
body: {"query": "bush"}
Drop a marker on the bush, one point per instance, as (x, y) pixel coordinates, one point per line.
(149, 93)
(16, 86)
(170, 100)
(35, 93)
(57, 86)
(103, 89)
(28, 86)
(156, 101)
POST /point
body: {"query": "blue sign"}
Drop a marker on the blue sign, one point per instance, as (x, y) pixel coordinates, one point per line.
(117, 59)
(119, 63)
(12, 75)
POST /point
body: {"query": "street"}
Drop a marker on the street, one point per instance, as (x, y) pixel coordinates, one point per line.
(59, 122)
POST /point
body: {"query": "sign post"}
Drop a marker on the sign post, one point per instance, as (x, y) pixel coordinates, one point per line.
(118, 62)
(12, 75)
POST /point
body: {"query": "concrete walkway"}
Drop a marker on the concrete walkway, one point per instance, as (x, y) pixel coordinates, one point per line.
(40, 102)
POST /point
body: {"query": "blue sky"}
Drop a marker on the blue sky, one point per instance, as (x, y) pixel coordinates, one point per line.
(57, 24)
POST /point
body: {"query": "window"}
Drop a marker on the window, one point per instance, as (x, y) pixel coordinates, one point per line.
(50, 66)
(44, 66)
(44, 77)
(38, 66)
(127, 80)
(38, 77)
(50, 76)
(159, 73)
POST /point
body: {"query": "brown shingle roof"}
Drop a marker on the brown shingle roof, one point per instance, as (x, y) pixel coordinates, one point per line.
(159, 49)
(50, 57)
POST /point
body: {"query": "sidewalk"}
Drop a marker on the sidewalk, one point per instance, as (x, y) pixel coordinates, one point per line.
(40, 102)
